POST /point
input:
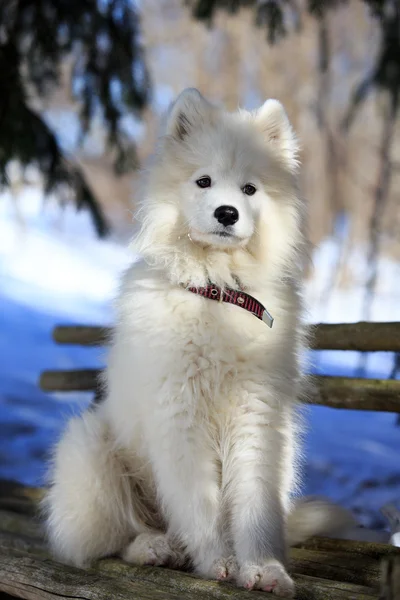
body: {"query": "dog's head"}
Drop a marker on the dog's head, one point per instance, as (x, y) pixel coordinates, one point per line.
(223, 181)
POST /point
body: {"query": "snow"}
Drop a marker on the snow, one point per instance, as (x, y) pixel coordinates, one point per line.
(54, 270)
(53, 260)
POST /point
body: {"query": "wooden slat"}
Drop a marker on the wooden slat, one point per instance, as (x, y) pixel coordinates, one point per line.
(357, 394)
(390, 586)
(372, 549)
(362, 336)
(81, 335)
(34, 577)
(19, 498)
(337, 566)
(336, 392)
(82, 380)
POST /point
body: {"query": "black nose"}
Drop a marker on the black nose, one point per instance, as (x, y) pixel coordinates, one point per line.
(226, 215)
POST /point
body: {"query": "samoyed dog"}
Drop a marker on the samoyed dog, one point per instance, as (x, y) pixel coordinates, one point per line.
(190, 459)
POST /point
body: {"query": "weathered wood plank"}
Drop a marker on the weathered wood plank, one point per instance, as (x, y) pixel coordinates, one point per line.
(26, 570)
(17, 497)
(336, 392)
(82, 335)
(336, 566)
(82, 380)
(372, 549)
(362, 336)
(357, 394)
(320, 565)
(32, 575)
(23, 543)
(311, 588)
(16, 523)
(390, 588)
(37, 578)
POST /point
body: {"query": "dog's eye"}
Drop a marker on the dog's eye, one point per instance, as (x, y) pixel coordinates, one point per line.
(204, 182)
(249, 189)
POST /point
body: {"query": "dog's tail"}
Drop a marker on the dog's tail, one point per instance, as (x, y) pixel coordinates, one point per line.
(317, 516)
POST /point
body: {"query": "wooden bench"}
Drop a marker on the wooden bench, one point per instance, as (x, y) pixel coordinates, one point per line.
(324, 569)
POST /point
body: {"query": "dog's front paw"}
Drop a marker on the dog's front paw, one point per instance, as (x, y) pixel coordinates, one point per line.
(223, 569)
(149, 549)
(269, 576)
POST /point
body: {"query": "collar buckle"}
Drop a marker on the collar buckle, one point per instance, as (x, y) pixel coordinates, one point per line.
(267, 318)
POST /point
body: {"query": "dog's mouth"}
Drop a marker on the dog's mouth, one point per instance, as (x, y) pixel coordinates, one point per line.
(218, 238)
(225, 238)
(223, 234)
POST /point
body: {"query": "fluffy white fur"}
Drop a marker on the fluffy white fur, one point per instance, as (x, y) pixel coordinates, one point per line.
(191, 457)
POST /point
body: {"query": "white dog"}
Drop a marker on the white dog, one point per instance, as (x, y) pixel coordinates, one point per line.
(191, 458)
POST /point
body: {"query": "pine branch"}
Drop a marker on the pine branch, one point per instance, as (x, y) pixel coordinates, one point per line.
(24, 136)
(109, 77)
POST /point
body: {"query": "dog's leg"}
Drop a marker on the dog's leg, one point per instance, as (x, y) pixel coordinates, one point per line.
(188, 481)
(89, 506)
(290, 453)
(254, 481)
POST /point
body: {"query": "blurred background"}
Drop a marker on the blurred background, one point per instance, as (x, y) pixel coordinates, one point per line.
(83, 86)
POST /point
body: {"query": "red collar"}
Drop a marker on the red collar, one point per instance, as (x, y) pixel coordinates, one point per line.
(239, 298)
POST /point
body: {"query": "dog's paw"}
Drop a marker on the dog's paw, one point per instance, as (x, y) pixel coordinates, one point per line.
(224, 569)
(149, 549)
(269, 576)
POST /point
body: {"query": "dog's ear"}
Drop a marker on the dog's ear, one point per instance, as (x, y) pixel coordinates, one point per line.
(272, 120)
(189, 112)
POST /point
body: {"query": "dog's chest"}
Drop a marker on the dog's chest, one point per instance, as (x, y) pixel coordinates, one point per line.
(209, 349)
